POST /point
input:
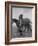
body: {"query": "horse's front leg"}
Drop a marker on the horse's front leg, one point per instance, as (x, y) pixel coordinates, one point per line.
(23, 29)
(28, 28)
(18, 32)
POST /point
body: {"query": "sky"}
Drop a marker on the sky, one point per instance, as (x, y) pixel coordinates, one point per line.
(26, 12)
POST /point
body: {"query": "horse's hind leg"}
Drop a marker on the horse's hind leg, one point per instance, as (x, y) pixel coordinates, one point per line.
(30, 29)
(27, 28)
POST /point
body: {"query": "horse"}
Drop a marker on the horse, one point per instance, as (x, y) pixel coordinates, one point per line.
(26, 25)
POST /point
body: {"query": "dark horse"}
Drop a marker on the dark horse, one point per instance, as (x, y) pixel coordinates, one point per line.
(26, 25)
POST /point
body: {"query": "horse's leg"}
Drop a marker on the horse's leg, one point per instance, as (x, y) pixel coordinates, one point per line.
(21, 33)
(28, 27)
(23, 28)
(18, 32)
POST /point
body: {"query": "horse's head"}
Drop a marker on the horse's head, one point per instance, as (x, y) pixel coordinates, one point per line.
(15, 21)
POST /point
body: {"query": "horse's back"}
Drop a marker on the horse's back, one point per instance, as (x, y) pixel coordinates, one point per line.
(26, 21)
